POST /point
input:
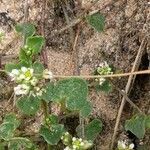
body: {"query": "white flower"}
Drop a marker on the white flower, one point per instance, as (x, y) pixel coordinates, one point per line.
(39, 93)
(37, 89)
(34, 81)
(122, 145)
(131, 146)
(101, 81)
(27, 72)
(80, 140)
(14, 73)
(74, 139)
(24, 69)
(67, 148)
(47, 74)
(21, 77)
(66, 133)
(21, 89)
(74, 146)
(82, 144)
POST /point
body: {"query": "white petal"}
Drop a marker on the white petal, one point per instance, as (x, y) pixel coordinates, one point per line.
(15, 72)
(27, 78)
(74, 146)
(40, 93)
(31, 70)
(24, 69)
(82, 143)
(80, 140)
(37, 89)
(131, 146)
(21, 77)
(67, 148)
(73, 139)
(47, 74)
(34, 81)
(24, 86)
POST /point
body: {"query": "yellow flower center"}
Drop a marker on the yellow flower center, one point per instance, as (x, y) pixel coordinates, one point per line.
(27, 73)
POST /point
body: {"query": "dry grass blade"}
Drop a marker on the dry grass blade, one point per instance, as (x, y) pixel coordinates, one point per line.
(127, 89)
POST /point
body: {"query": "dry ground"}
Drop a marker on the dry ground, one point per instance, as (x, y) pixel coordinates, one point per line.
(127, 22)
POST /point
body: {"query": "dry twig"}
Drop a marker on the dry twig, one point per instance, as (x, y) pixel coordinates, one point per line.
(127, 99)
(127, 89)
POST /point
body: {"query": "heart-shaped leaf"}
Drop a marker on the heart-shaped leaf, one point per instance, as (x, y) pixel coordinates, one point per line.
(53, 134)
(86, 109)
(26, 29)
(11, 118)
(35, 43)
(7, 130)
(17, 143)
(73, 91)
(9, 67)
(48, 92)
(136, 125)
(91, 130)
(96, 20)
(29, 105)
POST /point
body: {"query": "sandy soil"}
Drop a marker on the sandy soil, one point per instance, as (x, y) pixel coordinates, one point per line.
(124, 30)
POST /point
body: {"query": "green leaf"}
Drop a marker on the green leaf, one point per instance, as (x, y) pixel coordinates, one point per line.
(26, 29)
(35, 43)
(96, 20)
(18, 143)
(11, 118)
(91, 130)
(105, 87)
(86, 110)
(23, 56)
(10, 67)
(7, 130)
(2, 147)
(73, 91)
(29, 105)
(48, 92)
(38, 68)
(26, 64)
(142, 147)
(52, 119)
(136, 125)
(147, 122)
(52, 135)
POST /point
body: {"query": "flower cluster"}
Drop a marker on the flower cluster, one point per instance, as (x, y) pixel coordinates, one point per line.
(28, 81)
(103, 69)
(123, 145)
(77, 143)
(66, 138)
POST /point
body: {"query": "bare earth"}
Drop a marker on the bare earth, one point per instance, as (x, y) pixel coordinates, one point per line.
(127, 22)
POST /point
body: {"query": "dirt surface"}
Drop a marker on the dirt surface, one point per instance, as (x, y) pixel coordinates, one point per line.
(127, 22)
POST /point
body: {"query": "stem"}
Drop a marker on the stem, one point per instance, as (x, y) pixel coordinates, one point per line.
(105, 76)
(45, 109)
(46, 113)
(49, 147)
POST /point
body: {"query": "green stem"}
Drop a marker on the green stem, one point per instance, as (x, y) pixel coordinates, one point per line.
(46, 113)
(49, 147)
(45, 109)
